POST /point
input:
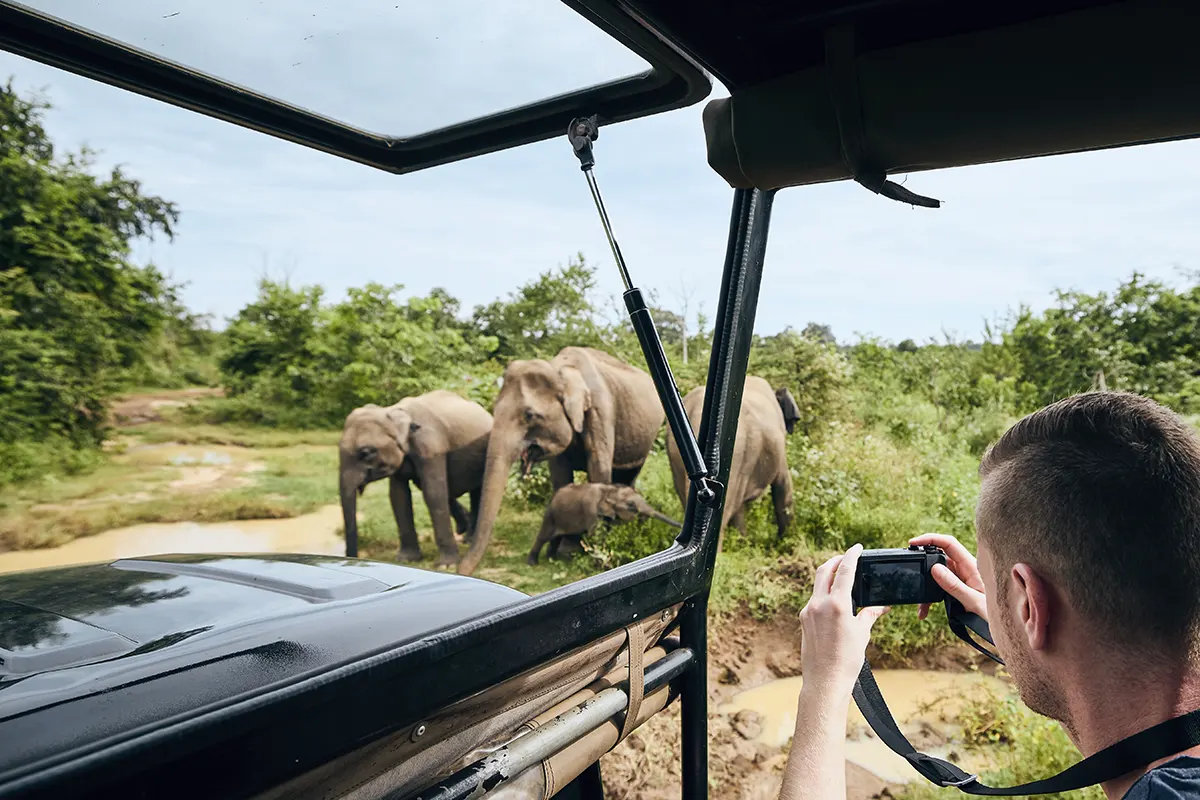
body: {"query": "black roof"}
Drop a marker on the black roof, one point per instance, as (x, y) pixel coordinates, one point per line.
(744, 42)
(748, 44)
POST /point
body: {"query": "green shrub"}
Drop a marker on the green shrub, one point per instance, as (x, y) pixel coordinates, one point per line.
(26, 460)
(1024, 746)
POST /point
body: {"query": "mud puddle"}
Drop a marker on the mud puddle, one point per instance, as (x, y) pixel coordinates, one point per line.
(925, 703)
(311, 533)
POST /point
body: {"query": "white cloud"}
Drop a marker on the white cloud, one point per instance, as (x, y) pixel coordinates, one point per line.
(1008, 234)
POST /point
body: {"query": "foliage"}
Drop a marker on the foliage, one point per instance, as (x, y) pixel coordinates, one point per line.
(544, 315)
(1023, 746)
(1144, 338)
(809, 365)
(289, 359)
(75, 312)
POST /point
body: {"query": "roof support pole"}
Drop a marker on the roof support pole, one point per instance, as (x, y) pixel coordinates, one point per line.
(732, 337)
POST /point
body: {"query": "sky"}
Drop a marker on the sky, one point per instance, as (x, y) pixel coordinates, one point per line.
(253, 206)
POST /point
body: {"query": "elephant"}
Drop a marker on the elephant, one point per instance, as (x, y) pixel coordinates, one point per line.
(577, 508)
(759, 452)
(787, 404)
(436, 440)
(582, 410)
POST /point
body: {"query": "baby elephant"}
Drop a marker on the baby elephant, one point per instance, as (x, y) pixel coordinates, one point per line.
(576, 508)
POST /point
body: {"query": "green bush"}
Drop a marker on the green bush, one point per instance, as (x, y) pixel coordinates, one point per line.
(27, 460)
(75, 311)
(1024, 745)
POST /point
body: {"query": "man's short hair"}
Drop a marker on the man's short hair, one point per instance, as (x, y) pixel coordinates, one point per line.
(1101, 493)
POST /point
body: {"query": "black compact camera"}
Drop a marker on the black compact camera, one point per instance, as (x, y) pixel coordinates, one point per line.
(898, 577)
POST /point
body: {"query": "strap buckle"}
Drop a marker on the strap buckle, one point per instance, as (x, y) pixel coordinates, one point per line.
(943, 773)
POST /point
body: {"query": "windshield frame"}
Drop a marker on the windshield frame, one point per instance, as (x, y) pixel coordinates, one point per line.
(673, 81)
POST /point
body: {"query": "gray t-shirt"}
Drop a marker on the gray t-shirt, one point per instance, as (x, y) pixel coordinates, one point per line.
(1175, 780)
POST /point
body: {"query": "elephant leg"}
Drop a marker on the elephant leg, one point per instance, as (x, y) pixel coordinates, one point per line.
(738, 520)
(544, 535)
(473, 517)
(781, 497)
(437, 498)
(626, 476)
(461, 523)
(401, 496)
(567, 546)
(561, 473)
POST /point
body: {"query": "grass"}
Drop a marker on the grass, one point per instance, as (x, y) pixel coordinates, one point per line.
(144, 479)
(1024, 747)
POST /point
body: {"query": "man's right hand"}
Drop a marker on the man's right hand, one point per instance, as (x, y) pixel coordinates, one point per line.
(961, 581)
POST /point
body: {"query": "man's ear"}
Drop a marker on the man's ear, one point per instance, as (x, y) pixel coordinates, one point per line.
(1033, 601)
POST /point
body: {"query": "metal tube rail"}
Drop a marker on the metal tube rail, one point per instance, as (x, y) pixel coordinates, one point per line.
(521, 753)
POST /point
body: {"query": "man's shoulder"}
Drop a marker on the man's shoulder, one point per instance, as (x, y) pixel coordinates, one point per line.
(1178, 779)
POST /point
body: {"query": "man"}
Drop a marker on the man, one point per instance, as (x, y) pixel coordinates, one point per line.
(1088, 528)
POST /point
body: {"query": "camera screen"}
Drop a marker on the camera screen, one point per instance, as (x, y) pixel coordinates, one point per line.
(895, 582)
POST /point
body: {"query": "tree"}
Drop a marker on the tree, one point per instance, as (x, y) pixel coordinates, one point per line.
(820, 333)
(544, 315)
(75, 312)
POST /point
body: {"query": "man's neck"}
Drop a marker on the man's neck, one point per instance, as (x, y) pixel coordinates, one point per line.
(1112, 704)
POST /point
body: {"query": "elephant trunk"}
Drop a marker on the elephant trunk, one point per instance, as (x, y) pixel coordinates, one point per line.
(502, 452)
(349, 492)
(654, 513)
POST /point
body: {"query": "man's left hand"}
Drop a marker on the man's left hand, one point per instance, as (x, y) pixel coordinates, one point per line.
(835, 639)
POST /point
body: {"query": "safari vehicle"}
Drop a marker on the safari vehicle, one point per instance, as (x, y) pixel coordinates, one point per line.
(313, 677)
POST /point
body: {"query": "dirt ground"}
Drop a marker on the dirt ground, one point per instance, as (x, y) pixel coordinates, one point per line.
(743, 654)
(141, 408)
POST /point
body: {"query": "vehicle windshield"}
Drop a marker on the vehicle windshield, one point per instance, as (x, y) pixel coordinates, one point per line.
(394, 68)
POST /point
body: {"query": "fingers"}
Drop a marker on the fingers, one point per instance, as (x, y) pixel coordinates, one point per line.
(870, 615)
(823, 581)
(971, 599)
(843, 581)
(954, 549)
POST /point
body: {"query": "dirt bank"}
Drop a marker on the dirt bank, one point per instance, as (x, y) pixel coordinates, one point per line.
(137, 409)
(745, 653)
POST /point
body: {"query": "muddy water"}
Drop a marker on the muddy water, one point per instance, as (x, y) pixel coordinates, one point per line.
(924, 703)
(311, 533)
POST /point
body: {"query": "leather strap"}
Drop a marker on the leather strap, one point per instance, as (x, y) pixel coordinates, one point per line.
(636, 638)
(841, 74)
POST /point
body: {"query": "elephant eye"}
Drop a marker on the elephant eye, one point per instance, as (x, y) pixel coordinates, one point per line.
(531, 415)
(365, 452)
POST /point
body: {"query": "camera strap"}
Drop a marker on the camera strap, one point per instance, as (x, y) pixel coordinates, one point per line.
(1135, 752)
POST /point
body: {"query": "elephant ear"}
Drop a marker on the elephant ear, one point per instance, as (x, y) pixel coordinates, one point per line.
(787, 403)
(628, 501)
(607, 506)
(402, 427)
(575, 396)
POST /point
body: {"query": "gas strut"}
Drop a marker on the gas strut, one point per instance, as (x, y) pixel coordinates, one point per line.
(582, 132)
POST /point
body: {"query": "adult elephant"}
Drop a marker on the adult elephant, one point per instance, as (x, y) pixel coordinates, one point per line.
(436, 440)
(759, 452)
(582, 410)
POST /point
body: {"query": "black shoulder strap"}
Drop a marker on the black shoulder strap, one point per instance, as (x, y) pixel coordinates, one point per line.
(1163, 740)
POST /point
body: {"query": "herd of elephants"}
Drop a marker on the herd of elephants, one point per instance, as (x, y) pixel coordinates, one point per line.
(582, 410)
